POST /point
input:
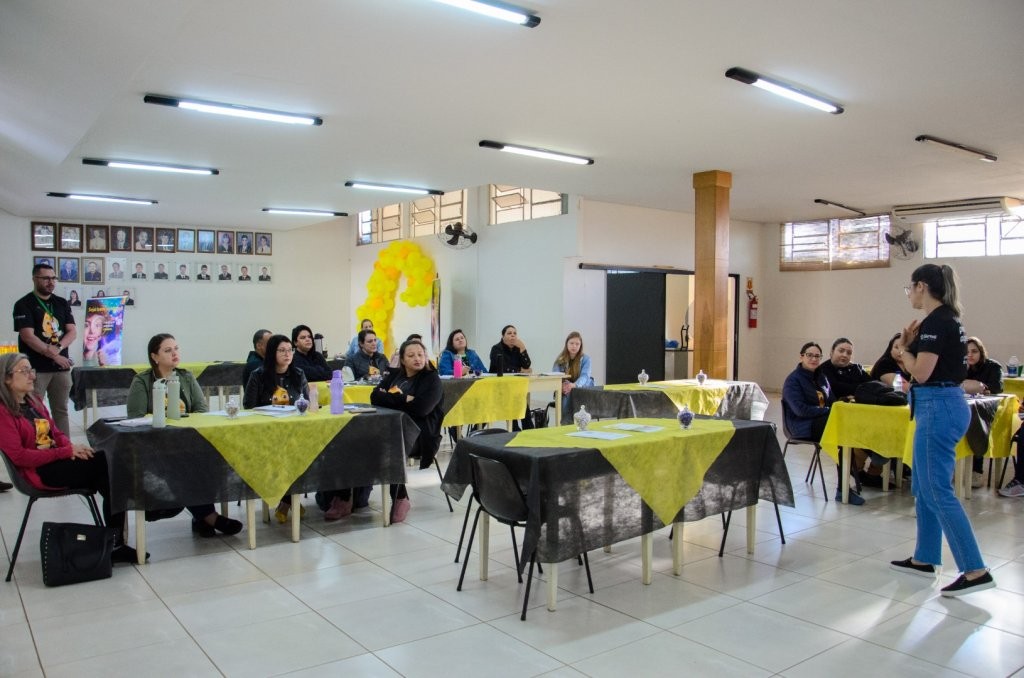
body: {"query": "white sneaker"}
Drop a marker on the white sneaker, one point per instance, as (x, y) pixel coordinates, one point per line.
(977, 480)
(1014, 489)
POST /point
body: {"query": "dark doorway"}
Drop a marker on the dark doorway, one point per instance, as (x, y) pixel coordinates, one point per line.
(635, 316)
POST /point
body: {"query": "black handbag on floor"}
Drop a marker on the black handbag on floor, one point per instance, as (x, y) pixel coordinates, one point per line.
(73, 553)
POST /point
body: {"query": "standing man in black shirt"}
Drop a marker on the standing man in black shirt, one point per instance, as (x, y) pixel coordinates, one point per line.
(46, 328)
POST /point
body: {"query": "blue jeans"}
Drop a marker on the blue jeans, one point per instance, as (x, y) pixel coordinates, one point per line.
(942, 417)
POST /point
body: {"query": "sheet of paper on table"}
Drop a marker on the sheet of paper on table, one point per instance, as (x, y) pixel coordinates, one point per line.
(276, 410)
(356, 409)
(640, 428)
(222, 413)
(600, 435)
(552, 374)
(137, 421)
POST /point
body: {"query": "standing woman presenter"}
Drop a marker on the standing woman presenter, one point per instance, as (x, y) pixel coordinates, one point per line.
(934, 352)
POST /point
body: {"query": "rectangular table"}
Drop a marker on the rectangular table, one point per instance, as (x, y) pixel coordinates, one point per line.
(726, 399)
(890, 432)
(475, 400)
(584, 493)
(1014, 385)
(207, 458)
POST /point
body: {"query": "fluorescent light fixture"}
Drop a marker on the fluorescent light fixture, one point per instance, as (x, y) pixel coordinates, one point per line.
(984, 156)
(102, 198)
(150, 166)
(822, 201)
(497, 10)
(234, 110)
(390, 187)
(783, 90)
(537, 153)
(303, 213)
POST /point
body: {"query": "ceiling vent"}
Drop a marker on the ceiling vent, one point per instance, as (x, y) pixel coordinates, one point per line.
(953, 209)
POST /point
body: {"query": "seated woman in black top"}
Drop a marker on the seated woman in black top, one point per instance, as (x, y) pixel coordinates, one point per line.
(886, 367)
(509, 354)
(414, 388)
(842, 373)
(984, 375)
(807, 401)
(312, 364)
(278, 382)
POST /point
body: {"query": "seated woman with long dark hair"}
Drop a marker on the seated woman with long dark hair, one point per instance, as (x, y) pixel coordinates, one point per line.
(278, 382)
(164, 356)
(312, 363)
(414, 388)
(458, 348)
(43, 454)
(984, 375)
(807, 398)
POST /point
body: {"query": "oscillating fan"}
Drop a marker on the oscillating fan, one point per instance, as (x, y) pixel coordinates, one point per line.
(901, 243)
(457, 236)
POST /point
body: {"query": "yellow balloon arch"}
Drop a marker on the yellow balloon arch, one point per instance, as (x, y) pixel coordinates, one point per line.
(397, 259)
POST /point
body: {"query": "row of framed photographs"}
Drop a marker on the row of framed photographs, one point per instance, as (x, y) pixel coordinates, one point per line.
(50, 236)
(102, 270)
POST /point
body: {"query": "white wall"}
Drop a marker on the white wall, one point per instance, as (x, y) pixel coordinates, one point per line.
(215, 320)
(869, 306)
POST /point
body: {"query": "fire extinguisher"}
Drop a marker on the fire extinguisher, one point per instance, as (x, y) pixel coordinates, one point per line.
(751, 304)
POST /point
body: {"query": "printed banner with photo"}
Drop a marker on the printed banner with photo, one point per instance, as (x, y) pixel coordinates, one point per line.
(104, 328)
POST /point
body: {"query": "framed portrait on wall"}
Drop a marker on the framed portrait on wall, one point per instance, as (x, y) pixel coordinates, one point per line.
(165, 238)
(43, 235)
(97, 238)
(264, 274)
(70, 237)
(203, 272)
(205, 241)
(120, 238)
(264, 244)
(44, 261)
(143, 238)
(183, 271)
(224, 272)
(92, 270)
(67, 269)
(186, 240)
(74, 299)
(116, 267)
(225, 242)
(243, 242)
(245, 272)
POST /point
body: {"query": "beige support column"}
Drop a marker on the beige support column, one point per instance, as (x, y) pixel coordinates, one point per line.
(711, 265)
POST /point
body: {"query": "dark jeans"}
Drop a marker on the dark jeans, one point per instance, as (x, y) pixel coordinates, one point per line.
(88, 474)
(818, 428)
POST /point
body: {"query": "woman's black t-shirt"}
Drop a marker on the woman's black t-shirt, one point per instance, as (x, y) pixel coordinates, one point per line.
(942, 334)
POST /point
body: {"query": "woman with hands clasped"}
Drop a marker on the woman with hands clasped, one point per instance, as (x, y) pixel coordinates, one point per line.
(509, 354)
(413, 388)
(164, 356)
(934, 352)
(43, 454)
(576, 366)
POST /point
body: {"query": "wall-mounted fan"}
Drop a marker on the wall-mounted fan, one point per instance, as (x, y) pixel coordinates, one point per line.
(457, 236)
(901, 243)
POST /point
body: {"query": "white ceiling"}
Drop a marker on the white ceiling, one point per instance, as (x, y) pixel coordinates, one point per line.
(407, 89)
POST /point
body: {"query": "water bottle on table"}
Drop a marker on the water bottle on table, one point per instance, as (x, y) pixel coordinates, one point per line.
(337, 393)
(1013, 367)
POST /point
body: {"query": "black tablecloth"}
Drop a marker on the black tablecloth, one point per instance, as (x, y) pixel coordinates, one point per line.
(175, 466)
(741, 398)
(578, 502)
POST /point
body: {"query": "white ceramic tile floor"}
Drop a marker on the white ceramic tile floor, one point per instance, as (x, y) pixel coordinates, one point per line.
(355, 599)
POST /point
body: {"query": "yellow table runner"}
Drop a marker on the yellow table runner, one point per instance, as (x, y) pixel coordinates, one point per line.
(489, 399)
(704, 399)
(666, 468)
(268, 453)
(1014, 385)
(890, 432)
(195, 368)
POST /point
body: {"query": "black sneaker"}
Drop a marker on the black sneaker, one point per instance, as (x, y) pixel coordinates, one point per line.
(125, 554)
(5, 486)
(963, 585)
(910, 567)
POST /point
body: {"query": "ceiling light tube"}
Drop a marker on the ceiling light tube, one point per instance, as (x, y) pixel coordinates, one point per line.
(234, 110)
(783, 90)
(537, 153)
(303, 212)
(984, 156)
(389, 187)
(497, 10)
(102, 198)
(822, 201)
(150, 166)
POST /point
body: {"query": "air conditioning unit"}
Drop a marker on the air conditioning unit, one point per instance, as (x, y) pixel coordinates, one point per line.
(953, 209)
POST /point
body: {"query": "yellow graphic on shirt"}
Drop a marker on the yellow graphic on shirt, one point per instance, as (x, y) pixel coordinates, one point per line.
(280, 397)
(44, 440)
(51, 329)
(373, 371)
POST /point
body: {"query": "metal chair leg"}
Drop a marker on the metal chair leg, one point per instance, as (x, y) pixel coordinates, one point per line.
(727, 518)
(469, 546)
(586, 563)
(465, 521)
(446, 497)
(21, 533)
(515, 552)
(529, 580)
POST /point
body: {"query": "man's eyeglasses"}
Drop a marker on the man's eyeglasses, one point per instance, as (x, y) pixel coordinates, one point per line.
(46, 278)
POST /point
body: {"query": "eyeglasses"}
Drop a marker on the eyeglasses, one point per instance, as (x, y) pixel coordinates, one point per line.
(812, 356)
(27, 371)
(285, 350)
(46, 278)
(907, 288)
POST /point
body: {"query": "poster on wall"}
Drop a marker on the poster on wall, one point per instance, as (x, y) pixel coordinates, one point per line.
(104, 327)
(435, 317)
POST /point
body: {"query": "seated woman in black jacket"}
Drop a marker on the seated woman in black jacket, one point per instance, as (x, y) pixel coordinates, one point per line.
(278, 382)
(509, 354)
(414, 388)
(312, 363)
(984, 375)
(842, 373)
(886, 368)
